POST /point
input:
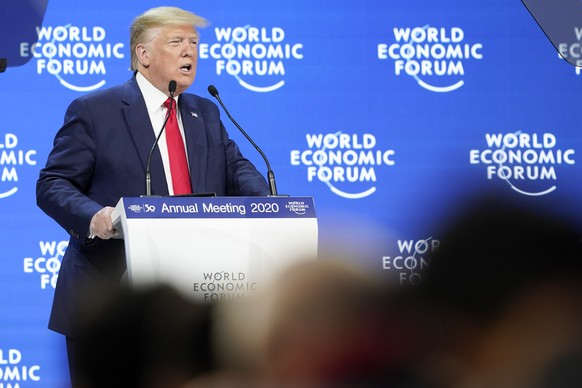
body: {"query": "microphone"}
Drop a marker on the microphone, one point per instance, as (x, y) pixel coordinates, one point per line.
(271, 175)
(148, 180)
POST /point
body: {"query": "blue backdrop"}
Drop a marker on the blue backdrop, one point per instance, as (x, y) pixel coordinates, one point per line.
(390, 114)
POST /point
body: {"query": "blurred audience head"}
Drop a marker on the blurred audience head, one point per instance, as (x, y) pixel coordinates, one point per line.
(146, 338)
(505, 293)
(330, 326)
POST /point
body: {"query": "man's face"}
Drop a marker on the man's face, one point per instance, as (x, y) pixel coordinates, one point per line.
(172, 54)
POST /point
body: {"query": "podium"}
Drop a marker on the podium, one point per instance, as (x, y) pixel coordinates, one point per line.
(214, 248)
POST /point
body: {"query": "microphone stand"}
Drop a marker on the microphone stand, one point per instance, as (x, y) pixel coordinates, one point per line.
(270, 174)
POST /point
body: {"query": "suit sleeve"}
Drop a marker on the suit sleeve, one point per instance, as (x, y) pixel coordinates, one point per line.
(243, 179)
(64, 183)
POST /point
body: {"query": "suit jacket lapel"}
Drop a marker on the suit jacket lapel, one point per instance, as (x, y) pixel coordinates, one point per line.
(141, 132)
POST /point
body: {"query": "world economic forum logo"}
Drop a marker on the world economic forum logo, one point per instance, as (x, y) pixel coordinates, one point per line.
(16, 367)
(346, 163)
(12, 158)
(528, 162)
(46, 263)
(411, 259)
(75, 56)
(434, 57)
(297, 207)
(572, 51)
(255, 57)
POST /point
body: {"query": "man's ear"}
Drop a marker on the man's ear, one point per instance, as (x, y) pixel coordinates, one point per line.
(143, 55)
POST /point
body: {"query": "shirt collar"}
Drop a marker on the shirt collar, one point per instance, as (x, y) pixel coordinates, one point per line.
(154, 98)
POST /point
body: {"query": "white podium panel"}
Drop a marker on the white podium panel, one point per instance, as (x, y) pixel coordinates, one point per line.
(215, 248)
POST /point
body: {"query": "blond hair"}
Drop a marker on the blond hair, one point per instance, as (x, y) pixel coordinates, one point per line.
(159, 17)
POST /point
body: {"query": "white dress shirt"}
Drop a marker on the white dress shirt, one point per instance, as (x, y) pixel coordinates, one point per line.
(154, 100)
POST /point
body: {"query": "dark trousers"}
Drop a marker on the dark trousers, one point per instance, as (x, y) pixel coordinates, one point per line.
(72, 355)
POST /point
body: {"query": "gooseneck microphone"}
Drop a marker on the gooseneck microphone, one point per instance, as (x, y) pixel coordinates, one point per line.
(148, 179)
(271, 175)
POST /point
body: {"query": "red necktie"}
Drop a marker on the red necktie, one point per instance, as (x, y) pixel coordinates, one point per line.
(177, 153)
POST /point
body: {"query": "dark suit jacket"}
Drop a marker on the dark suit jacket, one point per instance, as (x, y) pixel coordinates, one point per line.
(100, 155)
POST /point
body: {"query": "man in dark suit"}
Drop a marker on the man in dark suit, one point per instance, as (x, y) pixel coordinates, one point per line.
(101, 151)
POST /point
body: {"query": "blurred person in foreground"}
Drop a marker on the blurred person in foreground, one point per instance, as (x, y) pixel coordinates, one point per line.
(143, 338)
(321, 323)
(502, 300)
(101, 151)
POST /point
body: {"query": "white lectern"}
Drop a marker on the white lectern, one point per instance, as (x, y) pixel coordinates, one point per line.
(214, 248)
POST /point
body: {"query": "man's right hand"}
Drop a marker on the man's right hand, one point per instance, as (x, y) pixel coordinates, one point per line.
(101, 225)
